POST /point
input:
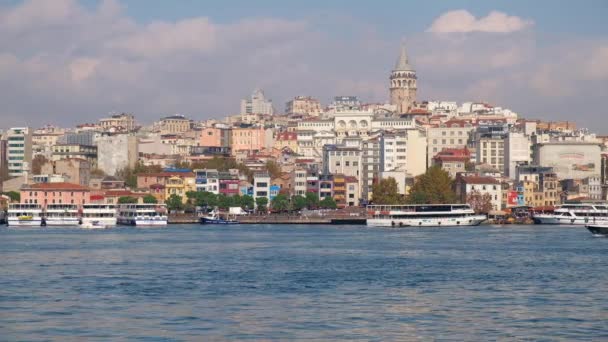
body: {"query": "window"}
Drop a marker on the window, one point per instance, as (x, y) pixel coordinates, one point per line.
(347, 163)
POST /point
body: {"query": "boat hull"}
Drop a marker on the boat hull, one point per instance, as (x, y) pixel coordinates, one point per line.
(569, 221)
(24, 223)
(427, 222)
(598, 229)
(104, 222)
(217, 221)
(62, 221)
(143, 222)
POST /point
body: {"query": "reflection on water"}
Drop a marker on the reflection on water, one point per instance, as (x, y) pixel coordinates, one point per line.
(287, 282)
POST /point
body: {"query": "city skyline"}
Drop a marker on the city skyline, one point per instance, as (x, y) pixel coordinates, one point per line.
(71, 62)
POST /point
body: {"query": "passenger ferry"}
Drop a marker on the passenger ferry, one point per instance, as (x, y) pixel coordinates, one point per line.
(62, 215)
(575, 214)
(98, 215)
(142, 214)
(25, 215)
(426, 215)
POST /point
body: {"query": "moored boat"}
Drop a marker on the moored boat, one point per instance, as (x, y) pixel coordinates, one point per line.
(575, 214)
(426, 215)
(62, 215)
(598, 229)
(214, 218)
(25, 215)
(98, 215)
(142, 214)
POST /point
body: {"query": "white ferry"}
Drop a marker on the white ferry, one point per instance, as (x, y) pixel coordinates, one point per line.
(142, 214)
(575, 214)
(98, 215)
(24, 215)
(426, 215)
(62, 215)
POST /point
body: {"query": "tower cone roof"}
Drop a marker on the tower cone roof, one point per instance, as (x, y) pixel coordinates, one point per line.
(402, 63)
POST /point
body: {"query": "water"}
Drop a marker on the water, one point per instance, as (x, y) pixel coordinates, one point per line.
(262, 282)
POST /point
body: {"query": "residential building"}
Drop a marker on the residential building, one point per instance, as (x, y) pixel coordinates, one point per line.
(326, 186)
(71, 151)
(19, 150)
(452, 134)
(490, 151)
(352, 191)
(594, 186)
(303, 105)
(207, 180)
(261, 185)
(453, 160)
(299, 181)
(174, 124)
(180, 184)
(484, 185)
(55, 193)
(250, 140)
(340, 159)
(286, 140)
(118, 123)
(517, 152)
(339, 190)
(228, 184)
(257, 104)
(216, 137)
(403, 151)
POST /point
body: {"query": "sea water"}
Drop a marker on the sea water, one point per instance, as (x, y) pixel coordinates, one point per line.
(273, 282)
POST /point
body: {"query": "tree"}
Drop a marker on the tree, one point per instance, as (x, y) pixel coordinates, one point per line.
(298, 202)
(262, 203)
(129, 175)
(273, 169)
(13, 195)
(434, 187)
(37, 162)
(97, 173)
(247, 202)
(386, 191)
(174, 202)
(149, 199)
(328, 203)
(223, 201)
(312, 200)
(127, 200)
(280, 203)
(481, 203)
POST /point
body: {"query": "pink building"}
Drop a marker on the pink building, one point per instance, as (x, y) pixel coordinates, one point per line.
(55, 193)
(229, 187)
(251, 139)
(215, 137)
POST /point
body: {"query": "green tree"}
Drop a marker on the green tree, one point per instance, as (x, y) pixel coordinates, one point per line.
(262, 203)
(280, 203)
(174, 202)
(328, 203)
(149, 199)
(480, 203)
(97, 173)
(127, 200)
(223, 201)
(247, 202)
(37, 163)
(312, 200)
(386, 191)
(434, 186)
(298, 202)
(273, 169)
(13, 195)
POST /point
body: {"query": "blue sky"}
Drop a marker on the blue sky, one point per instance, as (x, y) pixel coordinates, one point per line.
(69, 61)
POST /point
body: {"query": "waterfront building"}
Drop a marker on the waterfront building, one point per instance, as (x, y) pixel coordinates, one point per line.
(352, 191)
(326, 186)
(179, 185)
(403, 84)
(228, 184)
(207, 180)
(299, 181)
(18, 150)
(303, 105)
(403, 150)
(261, 185)
(257, 104)
(55, 193)
(484, 185)
(517, 152)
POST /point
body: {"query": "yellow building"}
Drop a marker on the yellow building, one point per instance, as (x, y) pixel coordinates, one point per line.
(180, 186)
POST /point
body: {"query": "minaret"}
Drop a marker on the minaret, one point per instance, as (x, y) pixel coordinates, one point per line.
(403, 84)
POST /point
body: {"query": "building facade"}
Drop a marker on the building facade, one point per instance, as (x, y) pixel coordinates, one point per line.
(18, 150)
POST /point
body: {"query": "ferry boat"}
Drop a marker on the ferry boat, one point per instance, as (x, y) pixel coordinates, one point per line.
(142, 214)
(98, 215)
(598, 229)
(25, 215)
(62, 215)
(214, 218)
(425, 215)
(575, 214)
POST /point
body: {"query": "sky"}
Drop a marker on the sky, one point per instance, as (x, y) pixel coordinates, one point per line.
(67, 62)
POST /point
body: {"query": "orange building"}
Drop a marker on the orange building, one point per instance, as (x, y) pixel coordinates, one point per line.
(251, 139)
(55, 193)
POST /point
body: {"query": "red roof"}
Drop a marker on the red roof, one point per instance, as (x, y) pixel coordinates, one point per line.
(57, 186)
(114, 193)
(97, 197)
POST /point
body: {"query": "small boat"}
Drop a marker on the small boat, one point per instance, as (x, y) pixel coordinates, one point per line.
(598, 229)
(214, 218)
(94, 225)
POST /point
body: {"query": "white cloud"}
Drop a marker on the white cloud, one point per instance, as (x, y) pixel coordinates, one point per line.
(462, 21)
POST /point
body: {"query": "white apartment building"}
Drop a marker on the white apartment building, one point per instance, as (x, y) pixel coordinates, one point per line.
(491, 151)
(517, 152)
(18, 150)
(261, 185)
(403, 151)
(257, 104)
(484, 185)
